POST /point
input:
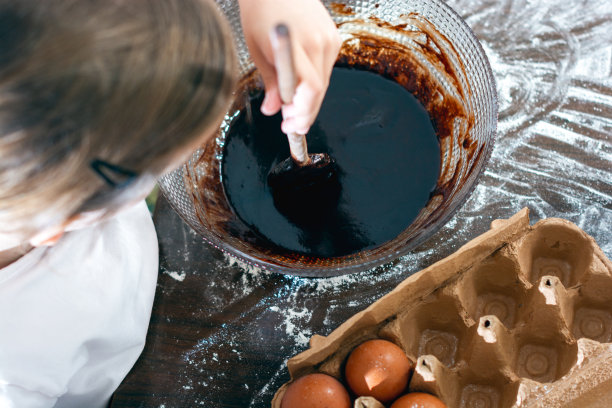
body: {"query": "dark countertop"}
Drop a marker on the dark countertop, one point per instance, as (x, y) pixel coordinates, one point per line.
(220, 332)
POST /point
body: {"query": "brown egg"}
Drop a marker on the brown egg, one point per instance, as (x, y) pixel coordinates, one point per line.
(379, 369)
(316, 391)
(418, 400)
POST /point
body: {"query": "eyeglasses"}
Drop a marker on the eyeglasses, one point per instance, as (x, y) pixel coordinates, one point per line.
(118, 180)
(115, 176)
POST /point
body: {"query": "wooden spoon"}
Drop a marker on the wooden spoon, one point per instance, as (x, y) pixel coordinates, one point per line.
(301, 170)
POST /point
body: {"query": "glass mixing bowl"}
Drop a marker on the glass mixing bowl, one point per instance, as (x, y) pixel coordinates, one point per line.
(423, 45)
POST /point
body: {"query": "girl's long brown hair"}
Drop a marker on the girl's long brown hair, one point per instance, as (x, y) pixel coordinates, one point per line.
(134, 83)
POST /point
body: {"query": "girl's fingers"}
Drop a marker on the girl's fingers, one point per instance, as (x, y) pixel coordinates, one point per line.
(331, 53)
(301, 113)
(272, 101)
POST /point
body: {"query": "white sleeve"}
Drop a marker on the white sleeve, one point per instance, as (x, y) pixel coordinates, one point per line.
(13, 396)
(93, 385)
(74, 317)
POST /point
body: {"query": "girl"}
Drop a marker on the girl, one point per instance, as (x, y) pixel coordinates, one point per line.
(98, 98)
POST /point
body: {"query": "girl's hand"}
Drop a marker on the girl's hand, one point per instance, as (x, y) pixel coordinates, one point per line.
(315, 42)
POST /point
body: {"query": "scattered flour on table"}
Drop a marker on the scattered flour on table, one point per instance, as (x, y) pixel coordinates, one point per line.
(179, 276)
(252, 277)
(249, 268)
(289, 307)
(291, 324)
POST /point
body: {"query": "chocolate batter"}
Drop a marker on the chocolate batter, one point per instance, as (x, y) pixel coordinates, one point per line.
(388, 159)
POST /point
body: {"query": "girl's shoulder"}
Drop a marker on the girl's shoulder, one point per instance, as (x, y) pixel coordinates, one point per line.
(69, 306)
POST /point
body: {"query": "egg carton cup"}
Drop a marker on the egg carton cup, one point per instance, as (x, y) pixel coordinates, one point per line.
(520, 316)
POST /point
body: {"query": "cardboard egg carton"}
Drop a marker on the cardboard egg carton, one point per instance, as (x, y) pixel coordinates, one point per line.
(520, 316)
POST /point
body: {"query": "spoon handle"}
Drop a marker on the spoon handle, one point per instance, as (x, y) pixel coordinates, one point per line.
(287, 81)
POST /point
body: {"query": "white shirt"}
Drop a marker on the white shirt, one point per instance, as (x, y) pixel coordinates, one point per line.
(74, 317)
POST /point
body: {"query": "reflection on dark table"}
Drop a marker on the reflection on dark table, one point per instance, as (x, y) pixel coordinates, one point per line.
(220, 332)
